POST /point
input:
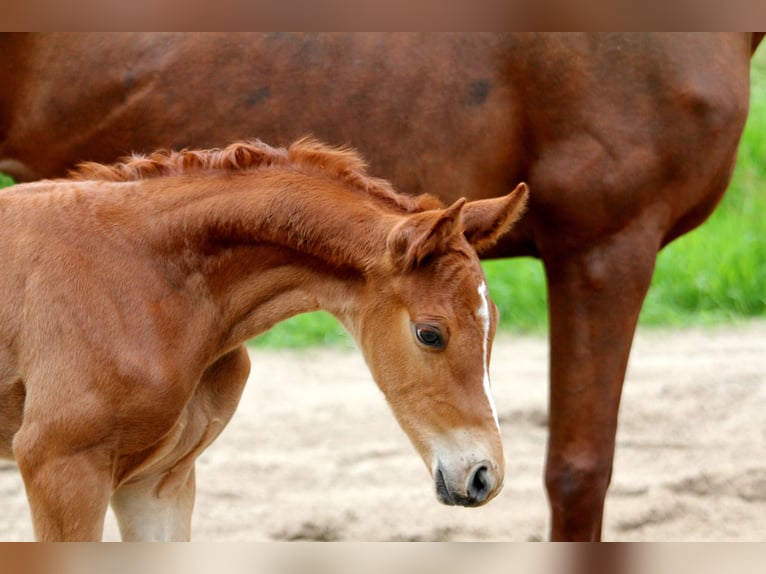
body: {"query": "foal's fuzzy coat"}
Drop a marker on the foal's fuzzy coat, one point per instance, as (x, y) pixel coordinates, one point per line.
(128, 291)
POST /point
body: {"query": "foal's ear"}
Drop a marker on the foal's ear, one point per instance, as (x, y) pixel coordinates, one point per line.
(486, 220)
(423, 234)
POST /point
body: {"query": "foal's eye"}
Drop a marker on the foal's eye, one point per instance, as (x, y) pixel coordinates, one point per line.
(429, 335)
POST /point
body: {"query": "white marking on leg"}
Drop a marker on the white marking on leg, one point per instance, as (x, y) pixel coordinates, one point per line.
(483, 312)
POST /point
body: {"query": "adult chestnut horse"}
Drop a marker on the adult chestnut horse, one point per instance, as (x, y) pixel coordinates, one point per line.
(627, 142)
(128, 291)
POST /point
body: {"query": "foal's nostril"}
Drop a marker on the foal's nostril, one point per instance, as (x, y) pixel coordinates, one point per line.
(479, 484)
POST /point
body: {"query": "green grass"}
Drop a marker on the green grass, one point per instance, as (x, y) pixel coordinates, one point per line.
(715, 274)
(307, 330)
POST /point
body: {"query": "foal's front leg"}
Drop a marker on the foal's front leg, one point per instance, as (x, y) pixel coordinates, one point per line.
(68, 490)
(158, 509)
(159, 506)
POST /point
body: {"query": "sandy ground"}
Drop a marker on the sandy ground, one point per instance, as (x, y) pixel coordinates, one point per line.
(313, 452)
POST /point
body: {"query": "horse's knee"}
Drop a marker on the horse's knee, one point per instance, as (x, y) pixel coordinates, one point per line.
(576, 490)
(572, 476)
(570, 481)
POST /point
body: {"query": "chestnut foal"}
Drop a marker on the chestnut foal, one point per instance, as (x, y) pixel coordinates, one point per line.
(129, 290)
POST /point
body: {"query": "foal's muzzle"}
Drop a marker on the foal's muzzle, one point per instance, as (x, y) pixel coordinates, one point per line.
(482, 483)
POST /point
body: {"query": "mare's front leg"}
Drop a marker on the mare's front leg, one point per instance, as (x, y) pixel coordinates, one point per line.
(595, 295)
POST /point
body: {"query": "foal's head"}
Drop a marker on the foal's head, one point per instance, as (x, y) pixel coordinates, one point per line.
(426, 332)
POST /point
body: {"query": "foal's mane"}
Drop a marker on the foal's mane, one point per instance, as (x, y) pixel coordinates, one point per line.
(307, 155)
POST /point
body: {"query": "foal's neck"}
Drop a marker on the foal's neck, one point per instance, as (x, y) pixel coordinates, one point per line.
(308, 215)
(272, 245)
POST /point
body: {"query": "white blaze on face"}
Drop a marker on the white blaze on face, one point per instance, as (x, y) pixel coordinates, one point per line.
(483, 313)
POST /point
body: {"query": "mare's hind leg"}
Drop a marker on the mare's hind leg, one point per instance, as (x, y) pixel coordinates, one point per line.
(595, 297)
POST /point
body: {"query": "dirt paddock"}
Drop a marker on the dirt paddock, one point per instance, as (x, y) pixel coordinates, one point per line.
(313, 452)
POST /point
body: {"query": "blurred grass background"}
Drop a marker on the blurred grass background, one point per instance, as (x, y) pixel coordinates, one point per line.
(715, 274)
